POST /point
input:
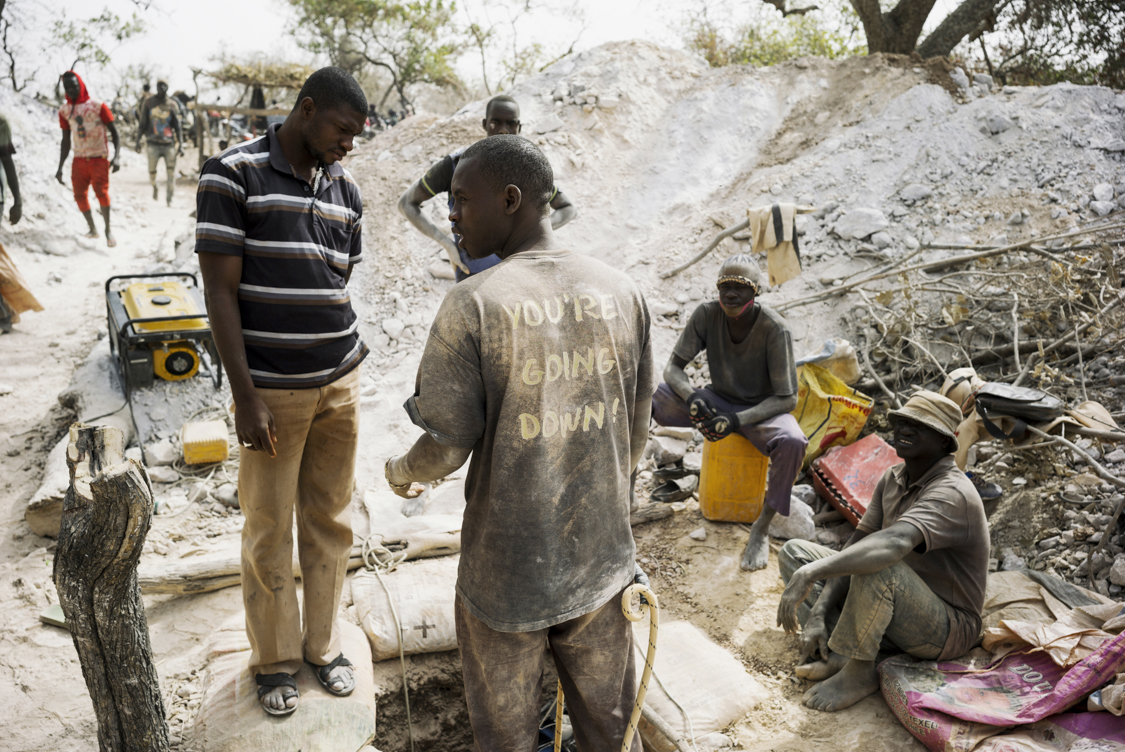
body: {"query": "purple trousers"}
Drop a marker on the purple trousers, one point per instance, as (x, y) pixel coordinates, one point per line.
(779, 438)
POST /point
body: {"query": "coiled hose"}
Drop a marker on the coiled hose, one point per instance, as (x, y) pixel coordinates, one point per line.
(648, 598)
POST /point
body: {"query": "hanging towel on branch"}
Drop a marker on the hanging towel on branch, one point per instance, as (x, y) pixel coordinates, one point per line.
(773, 230)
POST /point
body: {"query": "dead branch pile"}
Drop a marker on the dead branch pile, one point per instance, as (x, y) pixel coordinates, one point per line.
(1044, 313)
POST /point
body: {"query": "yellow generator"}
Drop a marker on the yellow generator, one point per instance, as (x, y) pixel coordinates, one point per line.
(158, 327)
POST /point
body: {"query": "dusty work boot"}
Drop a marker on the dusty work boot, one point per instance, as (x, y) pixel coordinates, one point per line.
(988, 491)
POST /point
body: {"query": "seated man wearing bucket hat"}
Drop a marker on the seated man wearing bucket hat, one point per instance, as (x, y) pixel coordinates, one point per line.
(911, 579)
(753, 389)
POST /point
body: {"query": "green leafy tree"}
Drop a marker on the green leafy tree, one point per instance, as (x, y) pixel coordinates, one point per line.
(91, 41)
(413, 42)
(767, 40)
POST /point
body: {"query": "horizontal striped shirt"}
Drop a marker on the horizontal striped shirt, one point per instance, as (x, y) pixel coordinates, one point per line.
(297, 242)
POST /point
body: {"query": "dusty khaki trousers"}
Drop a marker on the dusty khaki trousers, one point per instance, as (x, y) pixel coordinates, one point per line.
(503, 672)
(317, 431)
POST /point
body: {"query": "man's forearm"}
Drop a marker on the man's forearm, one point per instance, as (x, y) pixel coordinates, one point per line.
(226, 327)
(768, 408)
(414, 215)
(426, 461)
(64, 151)
(642, 411)
(873, 553)
(677, 380)
(13, 177)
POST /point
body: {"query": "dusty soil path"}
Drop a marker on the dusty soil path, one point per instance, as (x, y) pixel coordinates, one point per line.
(41, 685)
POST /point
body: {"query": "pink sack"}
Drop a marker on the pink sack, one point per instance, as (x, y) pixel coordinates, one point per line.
(952, 706)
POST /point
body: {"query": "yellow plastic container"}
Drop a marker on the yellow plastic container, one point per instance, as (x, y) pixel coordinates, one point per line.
(732, 481)
(204, 442)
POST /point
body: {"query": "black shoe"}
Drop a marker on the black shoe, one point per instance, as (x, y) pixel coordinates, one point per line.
(988, 491)
(670, 491)
(672, 472)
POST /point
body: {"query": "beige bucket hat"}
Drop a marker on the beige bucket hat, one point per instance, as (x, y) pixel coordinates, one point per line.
(933, 410)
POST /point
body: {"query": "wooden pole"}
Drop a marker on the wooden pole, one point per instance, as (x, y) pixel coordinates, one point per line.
(106, 515)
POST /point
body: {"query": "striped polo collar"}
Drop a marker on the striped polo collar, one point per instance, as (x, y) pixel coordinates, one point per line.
(281, 164)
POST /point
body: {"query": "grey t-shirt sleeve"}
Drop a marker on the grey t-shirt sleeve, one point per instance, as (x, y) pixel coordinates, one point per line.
(693, 339)
(782, 365)
(872, 520)
(449, 394)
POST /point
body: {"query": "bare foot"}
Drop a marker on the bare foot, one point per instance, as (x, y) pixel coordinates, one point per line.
(110, 240)
(280, 698)
(821, 670)
(856, 680)
(341, 678)
(757, 553)
(91, 234)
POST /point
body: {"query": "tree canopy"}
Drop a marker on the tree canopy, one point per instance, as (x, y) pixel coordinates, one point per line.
(413, 41)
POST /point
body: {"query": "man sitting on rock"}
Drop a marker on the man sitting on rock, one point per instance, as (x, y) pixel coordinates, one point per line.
(753, 389)
(911, 578)
(501, 117)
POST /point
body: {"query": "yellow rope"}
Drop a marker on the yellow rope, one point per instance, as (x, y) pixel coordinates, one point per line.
(648, 598)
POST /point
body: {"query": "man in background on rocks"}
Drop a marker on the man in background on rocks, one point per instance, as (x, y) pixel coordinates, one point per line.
(912, 577)
(287, 335)
(163, 133)
(546, 546)
(14, 295)
(85, 122)
(501, 117)
(754, 387)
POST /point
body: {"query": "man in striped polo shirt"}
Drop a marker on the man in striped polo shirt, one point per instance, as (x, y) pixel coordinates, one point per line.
(278, 233)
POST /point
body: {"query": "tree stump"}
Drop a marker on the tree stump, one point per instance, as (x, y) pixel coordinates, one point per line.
(106, 516)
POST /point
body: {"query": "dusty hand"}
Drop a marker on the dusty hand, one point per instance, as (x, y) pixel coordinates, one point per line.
(799, 587)
(814, 640)
(180, 151)
(399, 483)
(115, 164)
(16, 212)
(137, 148)
(253, 424)
(58, 177)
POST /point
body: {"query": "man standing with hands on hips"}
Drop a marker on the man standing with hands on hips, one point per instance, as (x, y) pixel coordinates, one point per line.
(279, 230)
(540, 368)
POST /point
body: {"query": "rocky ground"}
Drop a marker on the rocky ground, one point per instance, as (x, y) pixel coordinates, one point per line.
(659, 153)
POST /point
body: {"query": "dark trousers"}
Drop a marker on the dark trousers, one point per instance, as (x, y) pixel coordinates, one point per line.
(780, 438)
(503, 674)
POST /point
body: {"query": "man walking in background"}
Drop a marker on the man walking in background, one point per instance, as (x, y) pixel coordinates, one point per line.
(541, 368)
(279, 230)
(85, 122)
(162, 130)
(501, 117)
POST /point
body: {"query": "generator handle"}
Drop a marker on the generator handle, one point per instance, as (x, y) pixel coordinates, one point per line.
(156, 320)
(188, 275)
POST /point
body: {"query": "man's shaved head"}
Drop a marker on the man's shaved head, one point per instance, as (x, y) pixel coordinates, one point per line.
(505, 160)
(333, 89)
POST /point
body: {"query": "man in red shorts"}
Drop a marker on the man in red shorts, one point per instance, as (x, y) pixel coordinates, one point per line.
(85, 121)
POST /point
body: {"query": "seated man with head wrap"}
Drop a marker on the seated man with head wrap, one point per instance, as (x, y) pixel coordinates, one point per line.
(911, 578)
(753, 389)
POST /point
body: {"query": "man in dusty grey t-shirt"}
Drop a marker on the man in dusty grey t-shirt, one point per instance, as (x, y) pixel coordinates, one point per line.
(541, 368)
(912, 577)
(752, 391)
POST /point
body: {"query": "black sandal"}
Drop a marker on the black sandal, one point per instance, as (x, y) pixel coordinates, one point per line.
(268, 682)
(322, 673)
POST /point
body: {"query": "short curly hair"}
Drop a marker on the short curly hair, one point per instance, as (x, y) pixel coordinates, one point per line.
(333, 88)
(513, 160)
